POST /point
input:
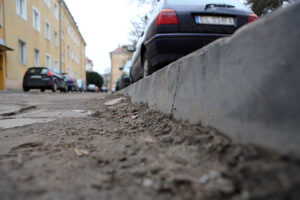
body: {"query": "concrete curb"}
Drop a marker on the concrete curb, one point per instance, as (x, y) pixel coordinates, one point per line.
(247, 86)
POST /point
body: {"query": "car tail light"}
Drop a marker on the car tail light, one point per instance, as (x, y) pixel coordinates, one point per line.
(49, 73)
(166, 16)
(252, 18)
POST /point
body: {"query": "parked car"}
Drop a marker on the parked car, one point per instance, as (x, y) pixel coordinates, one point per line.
(179, 27)
(70, 82)
(43, 78)
(91, 88)
(97, 89)
(117, 87)
(104, 89)
(125, 77)
(113, 90)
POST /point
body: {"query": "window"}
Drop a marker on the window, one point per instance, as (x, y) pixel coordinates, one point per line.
(1, 15)
(48, 60)
(36, 19)
(55, 39)
(72, 34)
(22, 52)
(56, 64)
(68, 28)
(55, 10)
(68, 51)
(48, 3)
(21, 9)
(47, 31)
(36, 58)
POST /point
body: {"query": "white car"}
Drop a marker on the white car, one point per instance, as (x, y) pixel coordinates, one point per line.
(92, 88)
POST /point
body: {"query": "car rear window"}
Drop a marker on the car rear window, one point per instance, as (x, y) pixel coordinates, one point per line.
(235, 3)
(37, 71)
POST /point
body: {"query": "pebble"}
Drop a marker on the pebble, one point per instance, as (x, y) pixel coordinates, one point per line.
(147, 183)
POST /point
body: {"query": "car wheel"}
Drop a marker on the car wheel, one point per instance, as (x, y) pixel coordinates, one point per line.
(54, 87)
(25, 89)
(42, 90)
(130, 79)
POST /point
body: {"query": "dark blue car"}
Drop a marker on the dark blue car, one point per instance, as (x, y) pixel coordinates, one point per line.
(72, 85)
(179, 27)
(43, 78)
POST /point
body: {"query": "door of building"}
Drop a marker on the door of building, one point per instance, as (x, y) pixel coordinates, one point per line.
(2, 72)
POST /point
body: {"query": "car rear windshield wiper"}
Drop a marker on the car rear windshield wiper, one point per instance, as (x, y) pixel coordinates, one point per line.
(218, 5)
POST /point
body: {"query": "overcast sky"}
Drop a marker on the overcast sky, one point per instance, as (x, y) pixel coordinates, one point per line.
(104, 25)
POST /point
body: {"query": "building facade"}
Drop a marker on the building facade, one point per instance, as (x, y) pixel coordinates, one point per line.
(3, 47)
(72, 45)
(118, 59)
(37, 31)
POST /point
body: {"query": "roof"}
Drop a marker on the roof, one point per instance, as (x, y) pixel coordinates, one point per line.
(87, 60)
(123, 49)
(119, 50)
(5, 48)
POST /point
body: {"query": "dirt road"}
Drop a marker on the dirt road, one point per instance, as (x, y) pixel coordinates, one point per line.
(76, 147)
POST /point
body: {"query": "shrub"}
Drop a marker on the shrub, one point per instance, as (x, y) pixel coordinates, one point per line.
(94, 78)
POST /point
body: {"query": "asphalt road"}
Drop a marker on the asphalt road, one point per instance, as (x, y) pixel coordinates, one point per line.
(95, 146)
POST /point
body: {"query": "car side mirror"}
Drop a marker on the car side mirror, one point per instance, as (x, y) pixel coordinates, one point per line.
(121, 68)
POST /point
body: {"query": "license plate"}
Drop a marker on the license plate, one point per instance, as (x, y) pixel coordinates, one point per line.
(36, 76)
(215, 20)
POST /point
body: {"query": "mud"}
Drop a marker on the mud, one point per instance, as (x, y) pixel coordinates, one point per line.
(125, 151)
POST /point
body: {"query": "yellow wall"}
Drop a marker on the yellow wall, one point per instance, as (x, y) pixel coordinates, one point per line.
(2, 25)
(117, 60)
(2, 53)
(2, 71)
(19, 29)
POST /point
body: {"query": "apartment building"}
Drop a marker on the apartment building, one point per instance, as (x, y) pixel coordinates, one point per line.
(72, 45)
(38, 32)
(118, 59)
(3, 47)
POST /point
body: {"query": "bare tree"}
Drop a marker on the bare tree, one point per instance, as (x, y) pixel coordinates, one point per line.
(140, 22)
(138, 26)
(263, 7)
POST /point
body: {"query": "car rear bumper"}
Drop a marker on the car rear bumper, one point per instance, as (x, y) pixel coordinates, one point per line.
(165, 48)
(44, 83)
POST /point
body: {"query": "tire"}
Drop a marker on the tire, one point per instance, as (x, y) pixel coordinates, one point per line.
(54, 87)
(130, 79)
(42, 90)
(25, 89)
